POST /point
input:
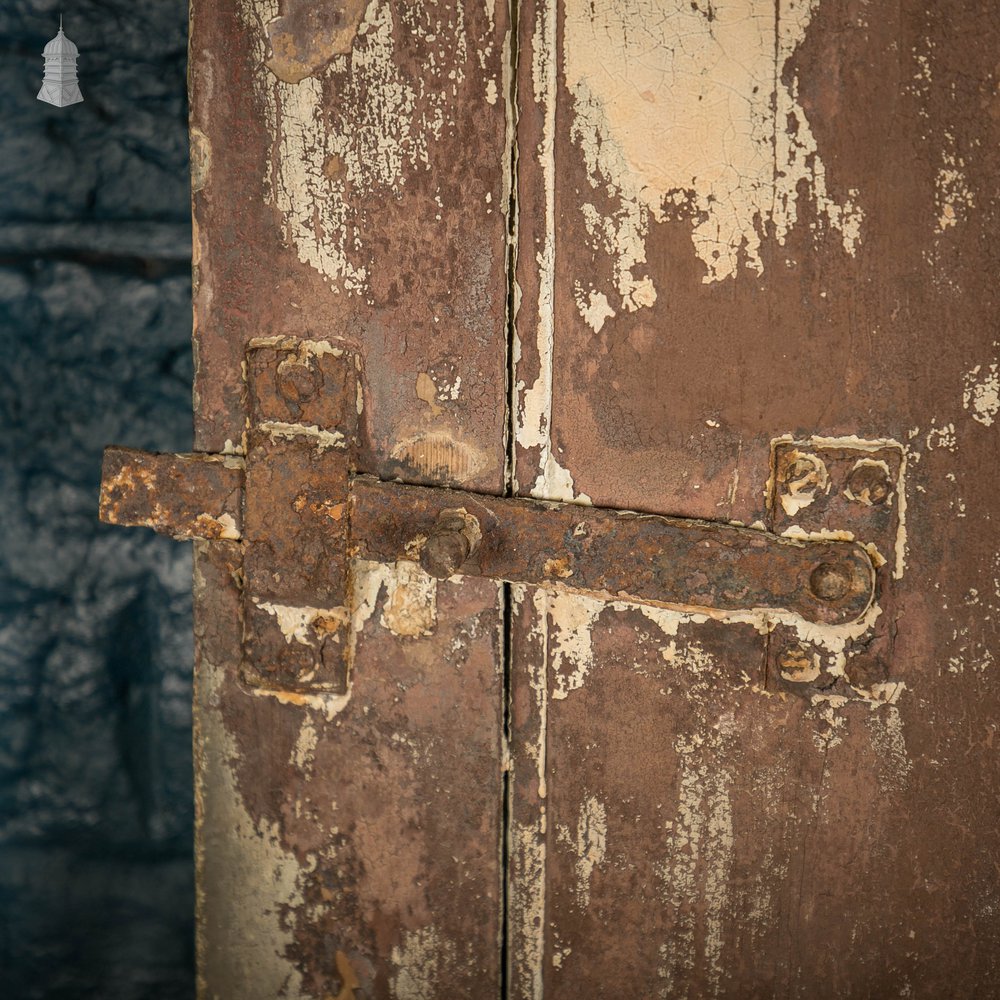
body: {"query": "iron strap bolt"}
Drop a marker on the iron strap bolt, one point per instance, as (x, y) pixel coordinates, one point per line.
(298, 381)
(454, 538)
(870, 484)
(831, 581)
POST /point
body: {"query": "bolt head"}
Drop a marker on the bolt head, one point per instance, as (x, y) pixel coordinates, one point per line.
(298, 381)
(444, 553)
(869, 484)
(831, 581)
(796, 663)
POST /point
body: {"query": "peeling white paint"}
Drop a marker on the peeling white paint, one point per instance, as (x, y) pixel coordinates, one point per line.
(411, 601)
(594, 307)
(590, 846)
(410, 606)
(303, 624)
(322, 439)
(695, 872)
(320, 163)
(228, 525)
(981, 393)
(571, 654)
(534, 413)
(941, 437)
(889, 743)
(421, 962)
(679, 111)
(305, 745)
(953, 197)
(527, 837)
(810, 478)
(528, 843)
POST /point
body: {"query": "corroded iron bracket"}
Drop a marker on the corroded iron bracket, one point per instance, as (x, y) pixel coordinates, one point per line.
(302, 512)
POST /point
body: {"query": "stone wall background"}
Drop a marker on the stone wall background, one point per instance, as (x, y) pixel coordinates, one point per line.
(96, 888)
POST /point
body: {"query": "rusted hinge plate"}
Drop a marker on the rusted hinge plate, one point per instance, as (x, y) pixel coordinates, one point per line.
(302, 513)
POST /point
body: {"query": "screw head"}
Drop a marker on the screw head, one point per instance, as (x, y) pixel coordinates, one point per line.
(831, 581)
(297, 381)
(869, 484)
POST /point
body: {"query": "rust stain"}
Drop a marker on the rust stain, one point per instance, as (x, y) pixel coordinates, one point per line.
(427, 392)
(435, 455)
(308, 35)
(349, 980)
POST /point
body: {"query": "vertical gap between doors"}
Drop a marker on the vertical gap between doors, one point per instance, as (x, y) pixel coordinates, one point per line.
(511, 458)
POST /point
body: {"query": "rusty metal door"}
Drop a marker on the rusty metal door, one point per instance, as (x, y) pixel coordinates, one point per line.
(352, 174)
(756, 272)
(726, 261)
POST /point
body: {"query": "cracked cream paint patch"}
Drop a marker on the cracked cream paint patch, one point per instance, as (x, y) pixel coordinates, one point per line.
(571, 639)
(322, 161)
(981, 393)
(678, 113)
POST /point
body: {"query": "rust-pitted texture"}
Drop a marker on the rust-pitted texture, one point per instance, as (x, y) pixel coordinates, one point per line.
(308, 35)
(300, 444)
(350, 842)
(841, 488)
(694, 565)
(184, 496)
(743, 223)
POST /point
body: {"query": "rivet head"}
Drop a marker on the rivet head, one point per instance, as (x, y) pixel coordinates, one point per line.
(297, 381)
(869, 484)
(797, 664)
(454, 538)
(831, 581)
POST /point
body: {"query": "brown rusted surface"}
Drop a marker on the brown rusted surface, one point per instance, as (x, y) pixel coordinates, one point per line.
(184, 496)
(834, 488)
(364, 202)
(769, 222)
(621, 555)
(307, 36)
(741, 227)
(300, 444)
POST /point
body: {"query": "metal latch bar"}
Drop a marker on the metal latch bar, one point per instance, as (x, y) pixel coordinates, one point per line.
(302, 513)
(645, 558)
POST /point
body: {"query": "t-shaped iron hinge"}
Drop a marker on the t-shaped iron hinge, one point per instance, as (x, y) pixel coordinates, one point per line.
(303, 512)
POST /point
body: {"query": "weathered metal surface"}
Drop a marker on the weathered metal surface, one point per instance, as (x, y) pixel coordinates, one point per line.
(849, 489)
(739, 225)
(620, 555)
(302, 429)
(184, 496)
(744, 223)
(351, 181)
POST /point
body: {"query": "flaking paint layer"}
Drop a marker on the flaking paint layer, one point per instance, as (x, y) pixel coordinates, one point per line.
(677, 112)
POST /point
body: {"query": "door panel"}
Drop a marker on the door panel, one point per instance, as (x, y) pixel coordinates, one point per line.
(351, 177)
(742, 223)
(747, 234)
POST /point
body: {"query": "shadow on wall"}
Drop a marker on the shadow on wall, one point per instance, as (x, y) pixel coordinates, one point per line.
(96, 893)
